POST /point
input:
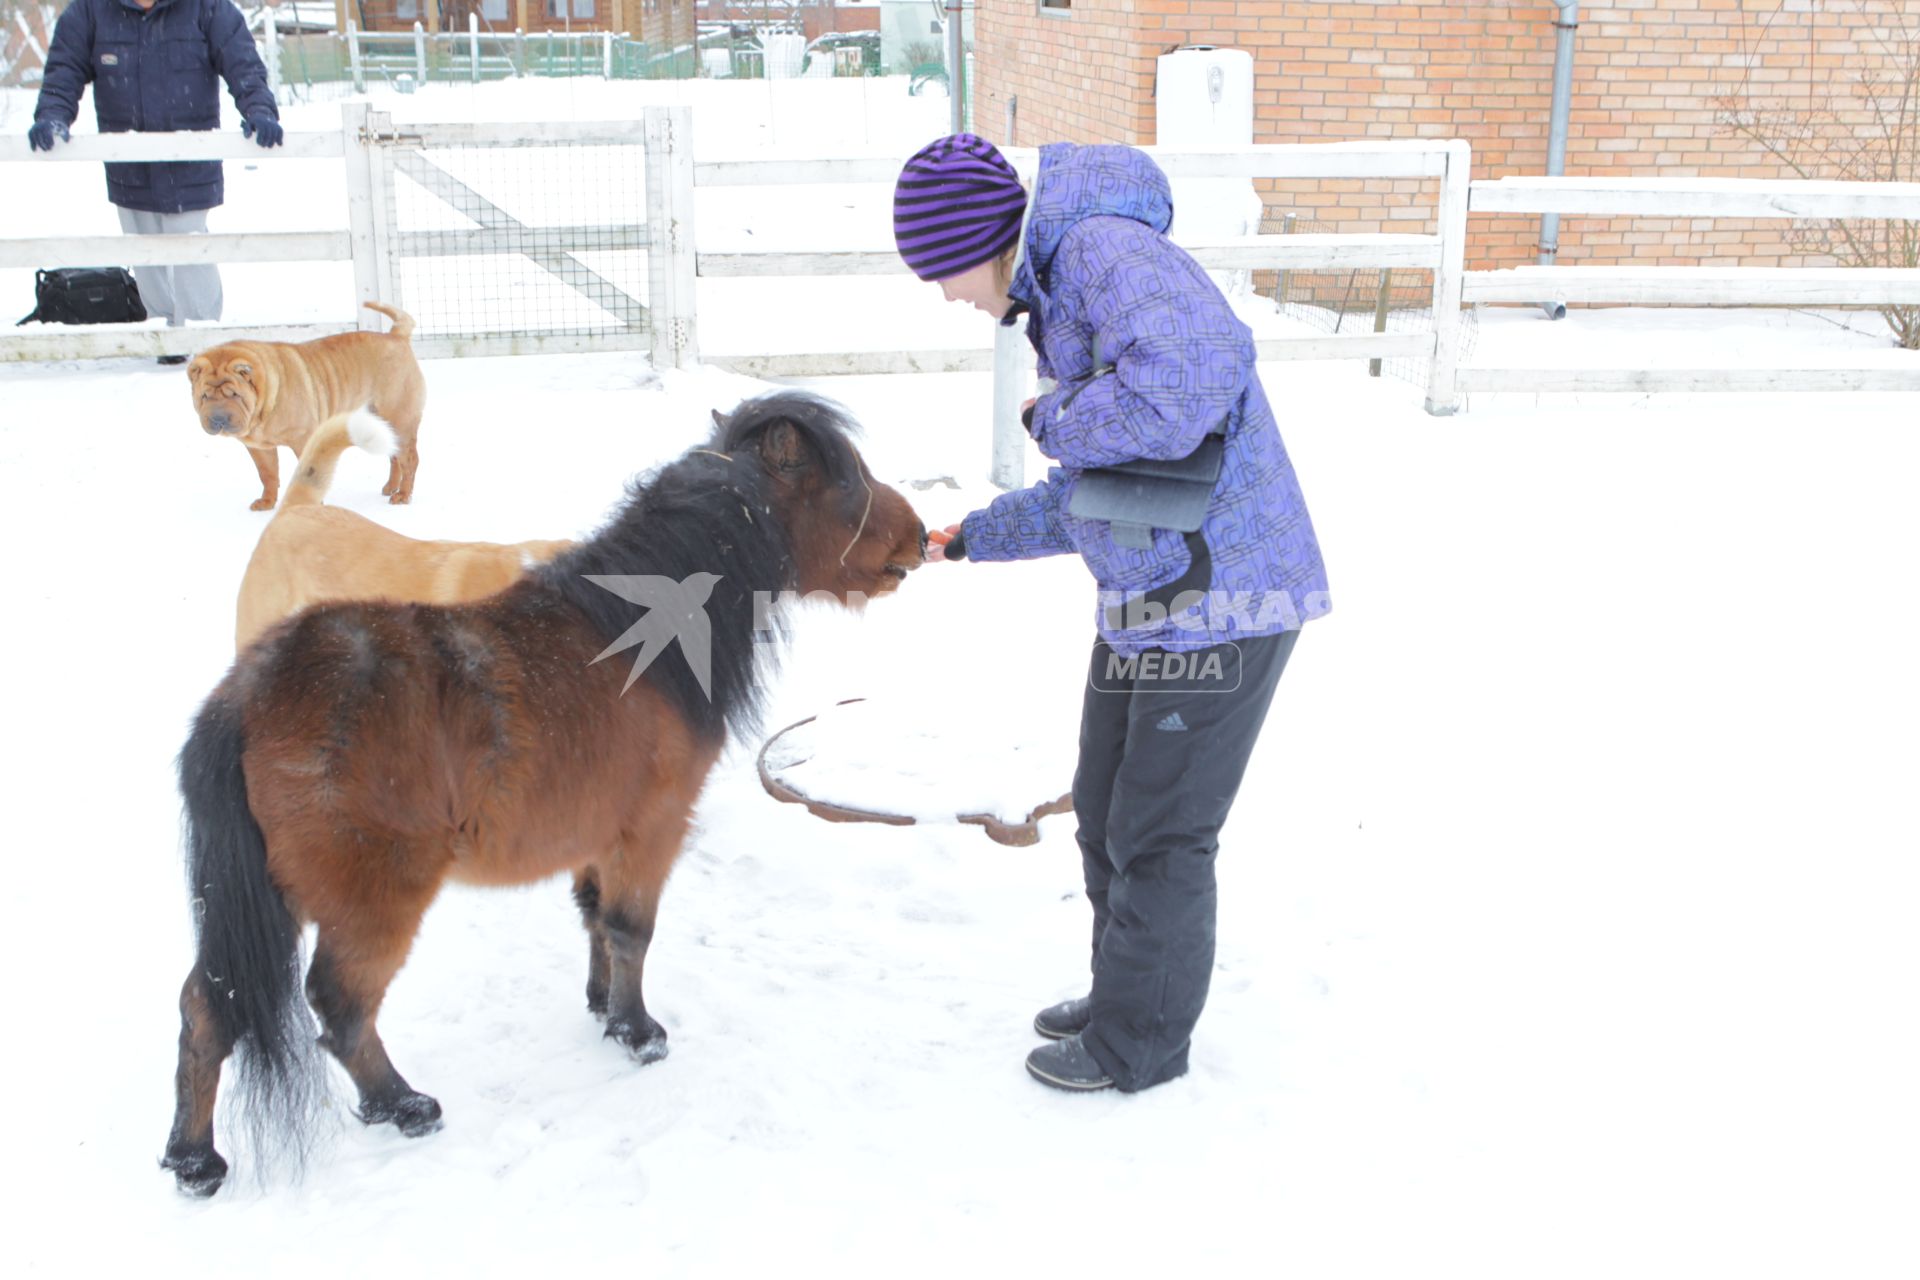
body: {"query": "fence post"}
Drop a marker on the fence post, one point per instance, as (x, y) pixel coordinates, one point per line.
(606, 55)
(270, 30)
(1010, 360)
(520, 49)
(360, 211)
(1280, 286)
(353, 58)
(1443, 390)
(671, 266)
(420, 54)
(1380, 315)
(473, 43)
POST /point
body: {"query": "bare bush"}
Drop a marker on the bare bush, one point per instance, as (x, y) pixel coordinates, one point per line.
(1867, 129)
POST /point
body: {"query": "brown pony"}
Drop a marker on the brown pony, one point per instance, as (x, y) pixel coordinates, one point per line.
(358, 756)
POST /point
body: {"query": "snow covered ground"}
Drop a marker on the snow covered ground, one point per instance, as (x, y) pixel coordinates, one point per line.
(1567, 914)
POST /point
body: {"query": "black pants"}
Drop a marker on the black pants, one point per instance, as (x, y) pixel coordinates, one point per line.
(1161, 758)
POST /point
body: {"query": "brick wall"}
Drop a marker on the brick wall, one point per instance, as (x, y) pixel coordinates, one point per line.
(1081, 75)
(1652, 79)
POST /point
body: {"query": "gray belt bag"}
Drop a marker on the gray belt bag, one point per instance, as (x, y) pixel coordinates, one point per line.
(1151, 493)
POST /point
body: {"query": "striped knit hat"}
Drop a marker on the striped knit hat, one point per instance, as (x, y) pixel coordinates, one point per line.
(957, 204)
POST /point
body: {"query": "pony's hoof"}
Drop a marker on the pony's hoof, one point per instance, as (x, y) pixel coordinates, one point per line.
(414, 1114)
(646, 1040)
(198, 1172)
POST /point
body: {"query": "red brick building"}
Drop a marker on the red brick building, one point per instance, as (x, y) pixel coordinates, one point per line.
(1655, 83)
(663, 23)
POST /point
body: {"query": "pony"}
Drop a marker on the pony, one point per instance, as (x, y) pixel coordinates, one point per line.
(359, 755)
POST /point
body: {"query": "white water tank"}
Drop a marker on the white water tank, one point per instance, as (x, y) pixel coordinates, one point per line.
(1203, 98)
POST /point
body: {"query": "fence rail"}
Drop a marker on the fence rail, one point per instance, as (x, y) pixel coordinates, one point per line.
(1700, 286)
(1697, 286)
(1698, 197)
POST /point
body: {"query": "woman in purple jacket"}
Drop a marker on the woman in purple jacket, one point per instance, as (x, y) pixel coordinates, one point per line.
(1175, 489)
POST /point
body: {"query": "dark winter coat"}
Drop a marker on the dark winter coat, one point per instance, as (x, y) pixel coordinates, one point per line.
(155, 71)
(1097, 272)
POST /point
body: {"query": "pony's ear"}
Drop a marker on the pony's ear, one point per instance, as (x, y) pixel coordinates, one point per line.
(783, 448)
(720, 420)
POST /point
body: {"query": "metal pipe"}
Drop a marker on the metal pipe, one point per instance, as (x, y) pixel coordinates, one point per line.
(1564, 28)
(956, 67)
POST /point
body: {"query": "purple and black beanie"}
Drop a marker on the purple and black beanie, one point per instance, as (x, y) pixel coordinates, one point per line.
(957, 204)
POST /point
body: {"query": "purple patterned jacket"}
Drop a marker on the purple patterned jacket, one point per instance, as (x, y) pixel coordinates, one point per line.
(1098, 268)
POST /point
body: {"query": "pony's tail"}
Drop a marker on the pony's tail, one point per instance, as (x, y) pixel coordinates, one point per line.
(313, 476)
(248, 945)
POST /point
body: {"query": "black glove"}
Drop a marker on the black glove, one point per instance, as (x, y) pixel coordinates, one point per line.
(956, 548)
(40, 137)
(264, 130)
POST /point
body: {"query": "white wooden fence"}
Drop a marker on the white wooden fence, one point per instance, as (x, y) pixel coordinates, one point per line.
(1011, 358)
(664, 321)
(373, 151)
(1696, 286)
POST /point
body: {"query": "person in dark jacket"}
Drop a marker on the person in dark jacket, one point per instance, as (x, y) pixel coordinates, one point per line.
(1140, 358)
(155, 67)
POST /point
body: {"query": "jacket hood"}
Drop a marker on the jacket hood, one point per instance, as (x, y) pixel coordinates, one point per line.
(1075, 182)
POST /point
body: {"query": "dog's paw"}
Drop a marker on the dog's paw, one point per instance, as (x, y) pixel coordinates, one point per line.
(261, 504)
(400, 499)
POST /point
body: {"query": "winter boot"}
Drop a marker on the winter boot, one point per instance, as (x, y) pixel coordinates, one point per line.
(1066, 1064)
(1068, 1018)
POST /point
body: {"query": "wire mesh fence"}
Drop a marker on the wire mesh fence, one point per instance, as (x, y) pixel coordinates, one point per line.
(1367, 300)
(546, 240)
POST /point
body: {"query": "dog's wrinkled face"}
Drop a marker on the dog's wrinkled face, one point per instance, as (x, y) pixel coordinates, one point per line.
(225, 392)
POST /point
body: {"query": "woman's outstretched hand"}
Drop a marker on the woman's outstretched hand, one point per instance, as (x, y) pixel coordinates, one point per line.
(939, 539)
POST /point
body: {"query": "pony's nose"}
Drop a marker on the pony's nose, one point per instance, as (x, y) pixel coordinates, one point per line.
(923, 541)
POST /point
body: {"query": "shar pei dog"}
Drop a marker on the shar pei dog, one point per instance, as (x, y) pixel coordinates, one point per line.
(268, 395)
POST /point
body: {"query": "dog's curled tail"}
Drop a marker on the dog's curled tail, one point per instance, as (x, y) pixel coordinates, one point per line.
(363, 427)
(402, 322)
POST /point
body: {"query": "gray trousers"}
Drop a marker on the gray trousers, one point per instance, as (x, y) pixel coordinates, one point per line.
(1160, 763)
(178, 293)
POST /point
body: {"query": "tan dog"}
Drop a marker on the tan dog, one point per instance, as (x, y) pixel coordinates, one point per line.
(268, 394)
(309, 552)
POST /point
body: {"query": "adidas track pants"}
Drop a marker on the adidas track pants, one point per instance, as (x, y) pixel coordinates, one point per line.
(1163, 746)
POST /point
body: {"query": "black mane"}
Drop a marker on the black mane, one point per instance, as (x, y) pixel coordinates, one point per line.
(711, 511)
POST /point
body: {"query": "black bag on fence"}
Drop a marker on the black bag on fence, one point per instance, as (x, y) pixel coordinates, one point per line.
(86, 295)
